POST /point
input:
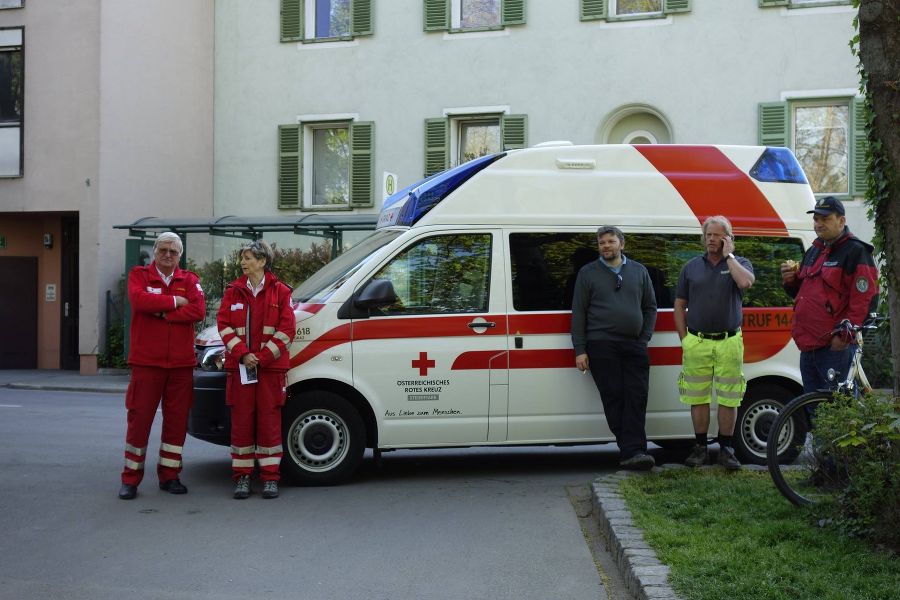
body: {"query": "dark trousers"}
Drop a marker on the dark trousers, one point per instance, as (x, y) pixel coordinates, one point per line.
(621, 371)
(814, 366)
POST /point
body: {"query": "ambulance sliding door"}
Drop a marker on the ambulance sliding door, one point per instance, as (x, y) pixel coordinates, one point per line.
(549, 399)
(428, 362)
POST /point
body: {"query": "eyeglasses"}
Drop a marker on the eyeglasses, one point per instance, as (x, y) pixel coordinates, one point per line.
(171, 251)
(618, 281)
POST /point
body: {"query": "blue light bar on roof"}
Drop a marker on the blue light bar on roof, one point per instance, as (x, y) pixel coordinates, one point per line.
(411, 203)
(778, 165)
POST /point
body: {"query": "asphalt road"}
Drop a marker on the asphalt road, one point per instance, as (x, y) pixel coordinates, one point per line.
(438, 524)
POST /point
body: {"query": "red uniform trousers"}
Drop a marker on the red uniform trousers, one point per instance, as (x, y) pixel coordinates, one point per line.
(149, 385)
(256, 424)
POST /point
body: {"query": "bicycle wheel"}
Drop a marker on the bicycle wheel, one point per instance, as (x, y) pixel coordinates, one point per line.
(800, 467)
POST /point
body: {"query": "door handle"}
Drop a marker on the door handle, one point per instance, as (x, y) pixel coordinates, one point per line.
(480, 324)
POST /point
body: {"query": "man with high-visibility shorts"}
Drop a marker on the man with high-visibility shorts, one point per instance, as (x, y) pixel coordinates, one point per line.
(708, 315)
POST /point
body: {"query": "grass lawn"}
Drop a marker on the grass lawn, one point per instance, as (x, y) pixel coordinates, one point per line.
(732, 536)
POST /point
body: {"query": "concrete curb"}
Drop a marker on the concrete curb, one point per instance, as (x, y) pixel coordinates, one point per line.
(645, 576)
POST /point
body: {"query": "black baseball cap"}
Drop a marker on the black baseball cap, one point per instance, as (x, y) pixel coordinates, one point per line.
(827, 205)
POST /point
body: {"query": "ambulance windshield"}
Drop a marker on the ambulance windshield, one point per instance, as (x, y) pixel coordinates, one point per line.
(329, 278)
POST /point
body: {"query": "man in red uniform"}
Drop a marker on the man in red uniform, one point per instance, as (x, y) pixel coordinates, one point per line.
(836, 280)
(165, 304)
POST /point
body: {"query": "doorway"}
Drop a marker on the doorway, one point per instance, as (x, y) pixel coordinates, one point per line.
(18, 312)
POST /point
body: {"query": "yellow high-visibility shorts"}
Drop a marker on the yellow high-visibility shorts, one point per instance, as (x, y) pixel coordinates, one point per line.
(712, 364)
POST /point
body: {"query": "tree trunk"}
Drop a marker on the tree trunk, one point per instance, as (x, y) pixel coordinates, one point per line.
(879, 50)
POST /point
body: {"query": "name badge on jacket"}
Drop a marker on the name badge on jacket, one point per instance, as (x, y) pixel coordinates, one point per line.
(154, 290)
(237, 306)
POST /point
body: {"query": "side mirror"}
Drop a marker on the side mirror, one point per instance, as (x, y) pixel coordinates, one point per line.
(378, 292)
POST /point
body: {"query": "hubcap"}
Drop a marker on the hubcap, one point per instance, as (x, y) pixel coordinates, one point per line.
(756, 425)
(317, 440)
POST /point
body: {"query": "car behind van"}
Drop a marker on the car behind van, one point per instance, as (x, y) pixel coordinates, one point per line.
(450, 324)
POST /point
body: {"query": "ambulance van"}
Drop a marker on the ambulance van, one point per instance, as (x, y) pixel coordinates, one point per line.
(450, 324)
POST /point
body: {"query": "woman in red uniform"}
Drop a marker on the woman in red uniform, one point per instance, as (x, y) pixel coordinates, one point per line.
(256, 323)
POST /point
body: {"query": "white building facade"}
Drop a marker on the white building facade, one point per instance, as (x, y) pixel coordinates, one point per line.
(320, 102)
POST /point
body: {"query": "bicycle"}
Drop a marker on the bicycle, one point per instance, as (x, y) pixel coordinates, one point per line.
(801, 466)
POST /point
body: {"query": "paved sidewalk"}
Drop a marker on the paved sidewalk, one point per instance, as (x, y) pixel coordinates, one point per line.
(113, 381)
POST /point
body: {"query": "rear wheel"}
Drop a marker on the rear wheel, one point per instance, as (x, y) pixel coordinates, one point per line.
(324, 438)
(801, 467)
(755, 418)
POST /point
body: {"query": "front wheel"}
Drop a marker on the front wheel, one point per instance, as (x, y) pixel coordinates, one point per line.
(324, 438)
(801, 468)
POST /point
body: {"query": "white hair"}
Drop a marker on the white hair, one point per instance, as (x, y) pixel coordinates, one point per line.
(168, 236)
(716, 220)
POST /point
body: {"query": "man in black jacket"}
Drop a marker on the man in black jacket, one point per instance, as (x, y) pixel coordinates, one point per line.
(613, 315)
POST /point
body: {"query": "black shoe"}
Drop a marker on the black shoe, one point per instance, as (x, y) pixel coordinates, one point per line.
(173, 486)
(728, 460)
(698, 456)
(270, 490)
(639, 462)
(127, 492)
(242, 487)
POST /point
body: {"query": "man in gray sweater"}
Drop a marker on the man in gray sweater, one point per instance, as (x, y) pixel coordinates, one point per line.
(613, 315)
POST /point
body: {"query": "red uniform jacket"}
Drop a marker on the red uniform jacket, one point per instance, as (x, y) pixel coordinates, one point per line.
(268, 319)
(836, 281)
(162, 335)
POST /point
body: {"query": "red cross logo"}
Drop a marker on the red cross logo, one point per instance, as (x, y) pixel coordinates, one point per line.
(423, 364)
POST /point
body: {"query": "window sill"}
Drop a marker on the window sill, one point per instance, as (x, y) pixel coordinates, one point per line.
(639, 17)
(327, 208)
(818, 4)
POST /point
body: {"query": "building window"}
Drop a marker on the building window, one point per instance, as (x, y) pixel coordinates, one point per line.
(11, 4)
(622, 8)
(822, 145)
(612, 10)
(326, 165)
(329, 165)
(476, 137)
(477, 14)
(458, 16)
(828, 138)
(11, 102)
(461, 136)
(325, 20)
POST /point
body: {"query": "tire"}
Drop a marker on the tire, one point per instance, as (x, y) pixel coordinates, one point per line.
(800, 469)
(324, 439)
(755, 418)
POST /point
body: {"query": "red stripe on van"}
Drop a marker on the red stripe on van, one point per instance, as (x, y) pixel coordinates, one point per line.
(712, 185)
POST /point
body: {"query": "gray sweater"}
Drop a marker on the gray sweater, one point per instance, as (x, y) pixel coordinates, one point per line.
(600, 312)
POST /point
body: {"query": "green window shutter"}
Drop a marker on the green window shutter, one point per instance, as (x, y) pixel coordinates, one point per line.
(437, 15)
(773, 124)
(291, 20)
(362, 163)
(513, 12)
(676, 6)
(437, 145)
(514, 129)
(858, 163)
(593, 9)
(766, 3)
(290, 179)
(361, 17)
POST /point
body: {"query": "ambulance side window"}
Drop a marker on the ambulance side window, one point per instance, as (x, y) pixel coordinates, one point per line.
(545, 265)
(443, 274)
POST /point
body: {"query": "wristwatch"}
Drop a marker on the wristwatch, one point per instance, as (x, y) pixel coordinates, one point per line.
(729, 255)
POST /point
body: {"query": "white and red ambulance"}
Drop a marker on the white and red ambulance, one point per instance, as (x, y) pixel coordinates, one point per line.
(449, 325)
